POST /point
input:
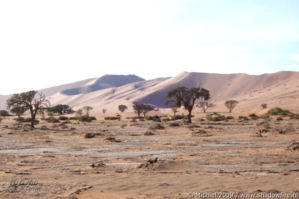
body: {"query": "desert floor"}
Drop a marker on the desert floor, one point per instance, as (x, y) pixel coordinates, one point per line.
(121, 161)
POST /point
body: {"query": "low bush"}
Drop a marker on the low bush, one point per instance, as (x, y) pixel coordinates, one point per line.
(174, 124)
(155, 118)
(52, 120)
(86, 118)
(63, 118)
(253, 116)
(229, 117)
(4, 113)
(73, 118)
(244, 118)
(112, 118)
(294, 116)
(279, 111)
(27, 119)
(215, 117)
(157, 126)
(177, 117)
(279, 118)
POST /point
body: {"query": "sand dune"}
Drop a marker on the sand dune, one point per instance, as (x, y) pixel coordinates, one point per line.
(277, 89)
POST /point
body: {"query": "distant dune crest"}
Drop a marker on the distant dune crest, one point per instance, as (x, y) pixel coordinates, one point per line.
(276, 89)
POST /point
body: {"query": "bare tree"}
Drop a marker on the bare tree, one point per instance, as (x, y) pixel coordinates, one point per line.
(231, 104)
(87, 109)
(28, 101)
(79, 112)
(204, 105)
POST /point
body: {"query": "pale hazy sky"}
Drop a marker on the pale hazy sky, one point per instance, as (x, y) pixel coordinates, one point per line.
(47, 43)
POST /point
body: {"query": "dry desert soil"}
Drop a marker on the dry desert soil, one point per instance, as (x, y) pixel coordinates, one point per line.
(145, 159)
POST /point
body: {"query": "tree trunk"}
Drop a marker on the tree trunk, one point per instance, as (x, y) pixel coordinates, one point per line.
(189, 116)
(32, 117)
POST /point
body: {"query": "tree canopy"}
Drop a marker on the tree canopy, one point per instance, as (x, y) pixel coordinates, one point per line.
(187, 97)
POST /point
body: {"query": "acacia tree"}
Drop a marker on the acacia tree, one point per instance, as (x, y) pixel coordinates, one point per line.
(79, 112)
(231, 104)
(187, 97)
(204, 105)
(87, 109)
(60, 109)
(122, 108)
(142, 108)
(28, 101)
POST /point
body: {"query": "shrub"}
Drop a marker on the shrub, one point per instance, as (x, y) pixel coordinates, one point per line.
(52, 120)
(86, 118)
(215, 117)
(157, 126)
(295, 116)
(177, 117)
(148, 133)
(244, 118)
(278, 111)
(112, 118)
(229, 117)
(174, 124)
(73, 118)
(63, 118)
(279, 118)
(155, 118)
(253, 116)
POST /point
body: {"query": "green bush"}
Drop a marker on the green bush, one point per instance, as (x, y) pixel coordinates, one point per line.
(177, 117)
(63, 118)
(215, 117)
(279, 118)
(73, 118)
(278, 111)
(253, 116)
(86, 118)
(52, 120)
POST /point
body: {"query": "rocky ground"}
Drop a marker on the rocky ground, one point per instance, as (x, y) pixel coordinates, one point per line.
(145, 159)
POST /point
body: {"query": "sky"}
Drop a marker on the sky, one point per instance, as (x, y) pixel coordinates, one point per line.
(48, 43)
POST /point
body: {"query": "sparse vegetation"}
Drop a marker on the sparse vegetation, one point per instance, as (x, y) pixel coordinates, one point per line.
(28, 101)
(187, 97)
(253, 116)
(231, 104)
(279, 111)
(215, 117)
(63, 118)
(86, 118)
(243, 118)
(154, 118)
(52, 120)
(112, 118)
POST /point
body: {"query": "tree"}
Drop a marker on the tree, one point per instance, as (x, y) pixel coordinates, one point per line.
(231, 104)
(147, 108)
(79, 112)
(18, 110)
(104, 111)
(87, 109)
(187, 97)
(28, 101)
(142, 108)
(60, 109)
(204, 105)
(122, 108)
